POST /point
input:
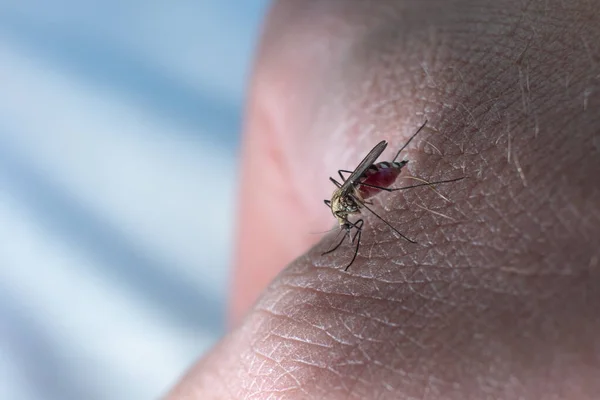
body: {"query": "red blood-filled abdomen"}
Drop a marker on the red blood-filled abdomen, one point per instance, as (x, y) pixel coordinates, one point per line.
(382, 174)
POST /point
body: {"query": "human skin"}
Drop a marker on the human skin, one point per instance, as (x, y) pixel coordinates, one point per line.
(500, 297)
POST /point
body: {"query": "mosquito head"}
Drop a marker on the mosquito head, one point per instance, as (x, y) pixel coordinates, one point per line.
(343, 205)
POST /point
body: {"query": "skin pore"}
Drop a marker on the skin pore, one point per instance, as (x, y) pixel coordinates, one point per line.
(500, 297)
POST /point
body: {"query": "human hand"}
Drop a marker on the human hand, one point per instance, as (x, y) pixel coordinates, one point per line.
(500, 297)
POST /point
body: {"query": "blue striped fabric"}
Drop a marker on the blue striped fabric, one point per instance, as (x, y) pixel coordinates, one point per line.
(119, 126)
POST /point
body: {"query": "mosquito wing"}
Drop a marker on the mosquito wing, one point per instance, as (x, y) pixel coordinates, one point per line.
(364, 164)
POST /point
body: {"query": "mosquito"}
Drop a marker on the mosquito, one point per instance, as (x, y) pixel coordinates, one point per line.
(367, 180)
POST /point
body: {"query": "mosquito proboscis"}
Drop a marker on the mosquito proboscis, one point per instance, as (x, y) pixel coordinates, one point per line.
(367, 180)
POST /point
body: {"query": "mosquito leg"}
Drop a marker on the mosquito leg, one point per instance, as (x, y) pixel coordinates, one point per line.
(327, 203)
(338, 214)
(355, 238)
(426, 184)
(338, 245)
(355, 225)
(358, 228)
(342, 176)
(381, 187)
(409, 140)
(336, 183)
(384, 221)
(408, 187)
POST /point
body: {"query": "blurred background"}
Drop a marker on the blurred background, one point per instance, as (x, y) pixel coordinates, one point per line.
(119, 138)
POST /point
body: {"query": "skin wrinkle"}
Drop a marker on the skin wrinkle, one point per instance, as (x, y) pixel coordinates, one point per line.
(364, 293)
(370, 318)
(254, 372)
(281, 316)
(286, 372)
(267, 385)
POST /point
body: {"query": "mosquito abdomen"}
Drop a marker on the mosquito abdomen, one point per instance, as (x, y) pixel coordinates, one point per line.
(382, 174)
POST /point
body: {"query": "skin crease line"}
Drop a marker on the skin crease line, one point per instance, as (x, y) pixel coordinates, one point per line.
(500, 296)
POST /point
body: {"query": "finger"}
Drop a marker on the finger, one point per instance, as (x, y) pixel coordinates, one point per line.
(499, 297)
